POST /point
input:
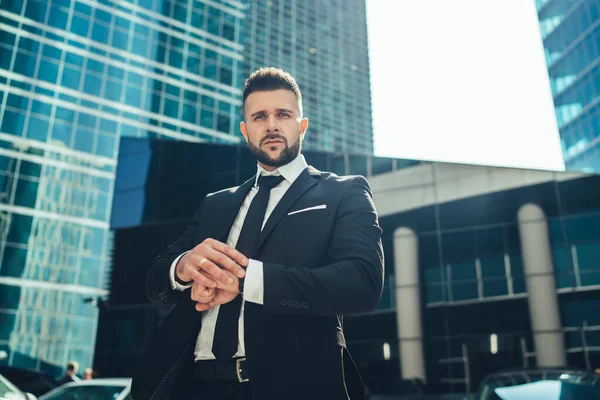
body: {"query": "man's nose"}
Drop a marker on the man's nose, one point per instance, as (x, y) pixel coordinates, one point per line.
(272, 125)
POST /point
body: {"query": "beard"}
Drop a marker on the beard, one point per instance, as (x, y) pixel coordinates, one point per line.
(287, 155)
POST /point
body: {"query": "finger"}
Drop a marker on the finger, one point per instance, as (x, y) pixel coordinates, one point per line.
(211, 267)
(202, 307)
(195, 293)
(202, 280)
(233, 287)
(223, 261)
(232, 253)
(202, 294)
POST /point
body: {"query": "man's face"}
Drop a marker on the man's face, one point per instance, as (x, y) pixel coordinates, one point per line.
(273, 127)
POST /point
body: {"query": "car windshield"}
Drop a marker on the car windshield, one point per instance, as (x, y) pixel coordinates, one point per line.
(542, 390)
(87, 392)
(8, 390)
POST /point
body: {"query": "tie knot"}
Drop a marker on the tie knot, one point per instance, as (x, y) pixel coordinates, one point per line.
(270, 181)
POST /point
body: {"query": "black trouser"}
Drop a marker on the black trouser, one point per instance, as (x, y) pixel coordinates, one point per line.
(216, 380)
(217, 389)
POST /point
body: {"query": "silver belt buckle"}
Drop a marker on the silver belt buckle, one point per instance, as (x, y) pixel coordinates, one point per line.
(238, 370)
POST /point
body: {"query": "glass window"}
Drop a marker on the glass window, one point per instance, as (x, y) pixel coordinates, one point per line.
(105, 145)
(223, 123)
(493, 266)
(189, 113)
(58, 18)
(226, 76)
(37, 128)
(133, 96)
(229, 31)
(112, 90)
(80, 26)
(70, 78)
(435, 293)
(92, 85)
(206, 119)
(62, 133)
(208, 101)
(464, 290)
(36, 10)
(26, 193)
(25, 64)
(13, 262)
(20, 229)
(100, 32)
(495, 287)
(84, 140)
(30, 169)
(48, 72)
(463, 271)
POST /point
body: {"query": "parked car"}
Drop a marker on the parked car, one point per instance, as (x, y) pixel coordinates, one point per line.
(540, 384)
(94, 389)
(29, 380)
(8, 391)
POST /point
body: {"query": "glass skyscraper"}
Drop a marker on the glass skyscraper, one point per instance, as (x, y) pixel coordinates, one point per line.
(571, 36)
(323, 43)
(75, 76)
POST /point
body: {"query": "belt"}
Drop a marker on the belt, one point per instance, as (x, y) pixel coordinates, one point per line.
(216, 369)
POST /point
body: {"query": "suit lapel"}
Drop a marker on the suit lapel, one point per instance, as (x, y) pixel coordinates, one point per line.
(307, 179)
(230, 208)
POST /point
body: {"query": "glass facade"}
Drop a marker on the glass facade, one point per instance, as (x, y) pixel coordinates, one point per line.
(323, 43)
(571, 36)
(75, 76)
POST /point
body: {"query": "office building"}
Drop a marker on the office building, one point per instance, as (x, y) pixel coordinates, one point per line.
(571, 32)
(324, 45)
(75, 76)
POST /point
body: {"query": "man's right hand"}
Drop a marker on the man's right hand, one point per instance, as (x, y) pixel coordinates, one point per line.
(213, 258)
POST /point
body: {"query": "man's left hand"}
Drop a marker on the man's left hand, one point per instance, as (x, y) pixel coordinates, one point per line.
(223, 294)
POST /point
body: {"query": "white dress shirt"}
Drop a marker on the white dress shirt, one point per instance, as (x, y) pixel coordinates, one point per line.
(253, 284)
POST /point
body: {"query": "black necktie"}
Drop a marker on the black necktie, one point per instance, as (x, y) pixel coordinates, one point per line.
(226, 331)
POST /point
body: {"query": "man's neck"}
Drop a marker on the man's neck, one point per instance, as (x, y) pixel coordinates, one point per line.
(268, 167)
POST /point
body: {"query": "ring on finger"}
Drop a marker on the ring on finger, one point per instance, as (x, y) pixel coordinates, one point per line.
(202, 262)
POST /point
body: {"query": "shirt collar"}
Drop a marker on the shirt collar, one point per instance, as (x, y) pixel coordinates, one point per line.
(290, 171)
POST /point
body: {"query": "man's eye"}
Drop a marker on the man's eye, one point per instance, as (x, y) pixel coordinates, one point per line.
(284, 114)
(258, 117)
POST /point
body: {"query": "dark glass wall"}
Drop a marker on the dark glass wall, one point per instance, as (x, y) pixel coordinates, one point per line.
(473, 284)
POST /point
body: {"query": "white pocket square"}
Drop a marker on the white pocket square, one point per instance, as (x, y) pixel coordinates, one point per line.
(321, 207)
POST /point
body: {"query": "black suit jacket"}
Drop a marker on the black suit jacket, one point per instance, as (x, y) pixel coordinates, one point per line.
(318, 265)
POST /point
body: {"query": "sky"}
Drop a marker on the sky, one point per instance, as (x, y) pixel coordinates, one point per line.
(461, 81)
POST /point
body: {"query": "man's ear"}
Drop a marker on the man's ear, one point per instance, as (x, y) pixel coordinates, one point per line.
(303, 127)
(244, 130)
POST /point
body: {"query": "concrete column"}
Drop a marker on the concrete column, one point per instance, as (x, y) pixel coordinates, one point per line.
(541, 287)
(408, 303)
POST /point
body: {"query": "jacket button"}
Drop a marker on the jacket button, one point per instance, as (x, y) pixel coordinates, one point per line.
(290, 303)
(283, 301)
(304, 305)
(298, 304)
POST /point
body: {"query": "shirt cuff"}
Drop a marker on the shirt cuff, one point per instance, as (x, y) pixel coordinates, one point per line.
(174, 284)
(253, 283)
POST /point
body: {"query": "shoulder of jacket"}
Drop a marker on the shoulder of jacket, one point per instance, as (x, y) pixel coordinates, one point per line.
(222, 192)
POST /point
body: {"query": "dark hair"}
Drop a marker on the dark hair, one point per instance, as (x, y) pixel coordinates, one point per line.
(72, 365)
(267, 79)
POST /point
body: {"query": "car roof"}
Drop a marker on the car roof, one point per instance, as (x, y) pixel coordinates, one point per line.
(528, 374)
(102, 382)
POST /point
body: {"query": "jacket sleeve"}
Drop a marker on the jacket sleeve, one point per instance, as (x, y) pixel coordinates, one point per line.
(353, 279)
(158, 284)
